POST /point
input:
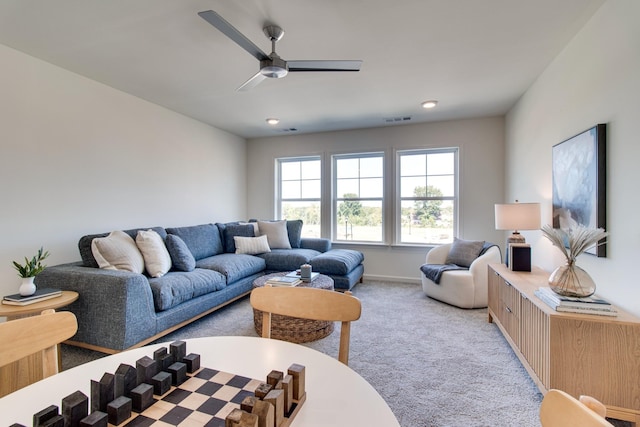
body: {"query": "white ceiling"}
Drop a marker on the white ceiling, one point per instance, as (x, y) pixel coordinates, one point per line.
(476, 57)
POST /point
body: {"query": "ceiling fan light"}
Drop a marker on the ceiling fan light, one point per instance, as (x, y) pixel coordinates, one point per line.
(273, 72)
(273, 121)
(274, 67)
(429, 104)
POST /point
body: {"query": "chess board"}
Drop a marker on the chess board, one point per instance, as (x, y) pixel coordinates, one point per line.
(205, 399)
(200, 396)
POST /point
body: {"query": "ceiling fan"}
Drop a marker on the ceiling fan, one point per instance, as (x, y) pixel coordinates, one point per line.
(272, 66)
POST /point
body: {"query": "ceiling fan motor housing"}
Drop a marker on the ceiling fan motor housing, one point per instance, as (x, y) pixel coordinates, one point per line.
(274, 67)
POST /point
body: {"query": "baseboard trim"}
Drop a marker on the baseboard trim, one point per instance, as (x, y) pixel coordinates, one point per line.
(381, 278)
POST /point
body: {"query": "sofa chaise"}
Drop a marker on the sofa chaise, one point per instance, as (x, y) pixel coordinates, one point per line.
(119, 309)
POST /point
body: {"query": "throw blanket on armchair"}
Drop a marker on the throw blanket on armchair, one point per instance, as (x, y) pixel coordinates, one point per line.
(434, 271)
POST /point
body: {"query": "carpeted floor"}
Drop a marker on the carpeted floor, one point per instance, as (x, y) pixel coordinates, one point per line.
(434, 364)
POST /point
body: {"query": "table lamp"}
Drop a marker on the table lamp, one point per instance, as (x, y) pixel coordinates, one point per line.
(517, 216)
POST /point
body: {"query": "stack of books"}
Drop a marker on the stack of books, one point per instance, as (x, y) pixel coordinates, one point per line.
(588, 305)
(40, 295)
(296, 274)
(284, 281)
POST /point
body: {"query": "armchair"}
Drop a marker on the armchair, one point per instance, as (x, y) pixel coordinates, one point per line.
(462, 288)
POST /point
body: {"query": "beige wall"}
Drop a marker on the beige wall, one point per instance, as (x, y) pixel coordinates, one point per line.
(481, 143)
(596, 79)
(79, 157)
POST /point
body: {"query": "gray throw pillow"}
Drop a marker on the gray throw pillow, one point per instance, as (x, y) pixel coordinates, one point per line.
(181, 257)
(464, 252)
(276, 232)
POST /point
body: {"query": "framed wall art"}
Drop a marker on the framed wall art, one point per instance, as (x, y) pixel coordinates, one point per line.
(579, 182)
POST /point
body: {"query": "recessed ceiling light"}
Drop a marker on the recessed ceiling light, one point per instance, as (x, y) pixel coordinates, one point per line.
(273, 121)
(429, 104)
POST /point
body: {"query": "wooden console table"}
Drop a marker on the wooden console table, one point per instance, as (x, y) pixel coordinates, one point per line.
(580, 354)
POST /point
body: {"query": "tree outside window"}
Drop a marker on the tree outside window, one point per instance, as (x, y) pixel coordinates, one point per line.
(358, 185)
(428, 196)
(300, 192)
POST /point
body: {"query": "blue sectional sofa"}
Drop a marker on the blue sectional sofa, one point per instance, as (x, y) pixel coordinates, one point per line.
(118, 310)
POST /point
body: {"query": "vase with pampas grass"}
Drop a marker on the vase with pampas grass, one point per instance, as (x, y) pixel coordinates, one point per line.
(569, 279)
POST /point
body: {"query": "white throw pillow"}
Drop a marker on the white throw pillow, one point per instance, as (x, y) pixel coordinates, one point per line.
(117, 251)
(276, 232)
(251, 245)
(157, 260)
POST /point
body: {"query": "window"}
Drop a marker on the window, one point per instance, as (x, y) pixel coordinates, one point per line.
(300, 192)
(428, 196)
(358, 201)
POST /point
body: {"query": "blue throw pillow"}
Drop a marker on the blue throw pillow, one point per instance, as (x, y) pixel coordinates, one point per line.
(181, 257)
(294, 230)
(232, 230)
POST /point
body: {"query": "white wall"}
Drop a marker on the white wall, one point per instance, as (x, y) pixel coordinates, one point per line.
(596, 79)
(79, 157)
(481, 143)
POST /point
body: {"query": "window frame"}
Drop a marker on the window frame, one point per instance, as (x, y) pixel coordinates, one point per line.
(399, 199)
(391, 200)
(335, 199)
(278, 184)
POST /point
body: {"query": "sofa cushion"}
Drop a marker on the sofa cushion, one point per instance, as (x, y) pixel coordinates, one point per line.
(256, 230)
(177, 286)
(221, 227)
(252, 245)
(464, 252)
(202, 240)
(181, 257)
(117, 251)
(337, 261)
(276, 232)
(233, 266)
(84, 244)
(294, 230)
(287, 259)
(315, 243)
(233, 230)
(157, 260)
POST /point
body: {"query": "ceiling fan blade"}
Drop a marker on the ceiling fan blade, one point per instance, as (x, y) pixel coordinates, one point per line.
(230, 31)
(252, 82)
(324, 65)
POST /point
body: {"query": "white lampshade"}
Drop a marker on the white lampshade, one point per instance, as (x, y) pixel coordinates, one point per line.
(517, 216)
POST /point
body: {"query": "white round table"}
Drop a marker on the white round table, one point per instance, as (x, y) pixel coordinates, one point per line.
(336, 395)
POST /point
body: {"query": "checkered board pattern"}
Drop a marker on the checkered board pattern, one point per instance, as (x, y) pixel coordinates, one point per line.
(204, 399)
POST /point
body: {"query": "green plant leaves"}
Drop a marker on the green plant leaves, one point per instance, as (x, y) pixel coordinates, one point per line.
(33, 266)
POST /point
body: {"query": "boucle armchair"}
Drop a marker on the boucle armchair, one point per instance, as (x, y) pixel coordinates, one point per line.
(461, 287)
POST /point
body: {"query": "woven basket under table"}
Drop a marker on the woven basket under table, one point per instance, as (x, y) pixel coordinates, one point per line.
(294, 329)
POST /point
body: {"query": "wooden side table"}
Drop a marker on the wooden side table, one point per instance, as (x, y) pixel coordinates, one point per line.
(12, 312)
(29, 368)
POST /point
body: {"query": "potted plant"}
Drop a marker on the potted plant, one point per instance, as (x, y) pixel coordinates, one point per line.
(29, 270)
(569, 279)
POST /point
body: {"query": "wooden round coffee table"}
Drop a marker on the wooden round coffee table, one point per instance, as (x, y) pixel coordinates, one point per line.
(294, 329)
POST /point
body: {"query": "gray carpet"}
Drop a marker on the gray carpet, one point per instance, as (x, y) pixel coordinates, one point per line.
(434, 364)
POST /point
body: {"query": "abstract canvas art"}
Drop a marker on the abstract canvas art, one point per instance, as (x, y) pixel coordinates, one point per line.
(579, 182)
